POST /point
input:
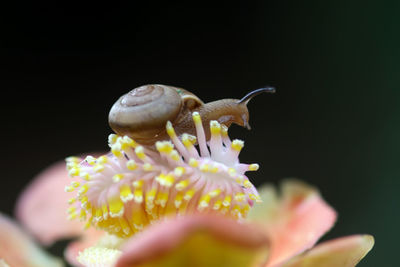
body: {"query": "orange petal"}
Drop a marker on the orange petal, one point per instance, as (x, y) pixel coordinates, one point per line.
(294, 221)
(344, 252)
(18, 249)
(196, 241)
(43, 204)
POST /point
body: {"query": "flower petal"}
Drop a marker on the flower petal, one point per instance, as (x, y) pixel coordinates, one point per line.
(199, 240)
(41, 207)
(344, 252)
(18, 249)
(295, 221)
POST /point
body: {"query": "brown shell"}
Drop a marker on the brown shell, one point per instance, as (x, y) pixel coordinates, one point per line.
(143, 112)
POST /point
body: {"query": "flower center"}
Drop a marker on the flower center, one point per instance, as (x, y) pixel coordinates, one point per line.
(133, 186)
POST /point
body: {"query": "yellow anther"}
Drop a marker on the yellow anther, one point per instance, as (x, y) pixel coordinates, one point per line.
(131, 165)
(105, 211)
(102, 159)
(255, 197)
(71, 165)
(164, 146)
(215, 127)
(204, 200)
(117, 177)
(127, 142)
(116, 206)
(72, 216)
(215, 192)
(87, 225)
(73, 159)
(85, 176)
(82, 215)
(116, 150)
(169, 180)
(239, 179)
(179, 171)
(196, 117)
(98, 168)
(125, 193)
(232, 172)
(91, 160)
(84, 188)
(74, 171)
(186, 141)
(150, 195)
(182, 185)
(214, 169)
(84, 201)
(71, 210)
(237, 144)
(124, 225)
(147, 167)
(112, 139)
(253, 167)
(137, 184)
(71, 200)
(217, 204)
(98, 215)
(239, 197)
(69, 188)
(204, 167)
(75, 184)
(138, 195)
(162, 198)
(193, 163)
(189, 194)
(170, 130)
(175, 155)
(236, 210)
(224, 130)
(140, 152)
(227, 201)
(178, 199)
(247, 184)
(246, 209)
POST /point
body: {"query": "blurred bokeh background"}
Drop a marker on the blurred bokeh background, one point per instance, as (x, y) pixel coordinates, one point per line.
(334, 121)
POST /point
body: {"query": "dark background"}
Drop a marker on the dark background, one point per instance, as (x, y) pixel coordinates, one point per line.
(333, 121)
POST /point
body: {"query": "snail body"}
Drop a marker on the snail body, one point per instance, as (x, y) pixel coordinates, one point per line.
(143, 112)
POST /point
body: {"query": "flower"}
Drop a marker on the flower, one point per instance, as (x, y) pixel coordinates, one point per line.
(141, 198)
(134, 186)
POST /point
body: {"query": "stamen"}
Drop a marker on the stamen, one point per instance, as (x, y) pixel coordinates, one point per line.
(133, 186)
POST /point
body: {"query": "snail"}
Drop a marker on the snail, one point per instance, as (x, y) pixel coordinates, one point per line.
(143, 112)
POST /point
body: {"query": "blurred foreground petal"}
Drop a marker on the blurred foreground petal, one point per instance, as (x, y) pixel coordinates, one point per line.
(343, 252)
(196, 241)
(293, 221)
(42, 205)
(18, 250)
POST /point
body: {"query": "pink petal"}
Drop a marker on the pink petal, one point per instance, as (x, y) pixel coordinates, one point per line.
(18, 249)
(90, 238)
(196, 241)
(43, 204)
(295, 221)
(344, 252)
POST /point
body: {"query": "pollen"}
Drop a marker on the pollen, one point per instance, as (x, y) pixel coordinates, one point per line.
(134, 185)
(99, 256)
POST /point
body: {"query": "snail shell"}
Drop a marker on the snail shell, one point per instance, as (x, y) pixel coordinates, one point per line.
(143, 112)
